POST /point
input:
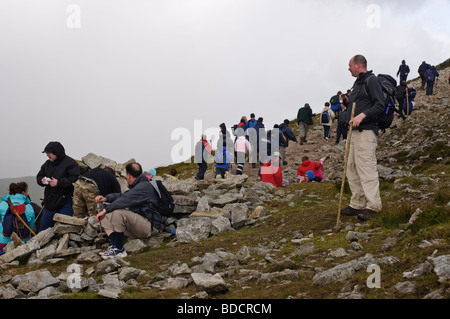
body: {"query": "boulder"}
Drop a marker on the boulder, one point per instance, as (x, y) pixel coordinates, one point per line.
(212, 284)
(193, 229)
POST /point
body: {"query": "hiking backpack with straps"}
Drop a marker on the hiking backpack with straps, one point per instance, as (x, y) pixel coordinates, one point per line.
(166, 203)
(389, 87)
(326, 117)
(12, 224)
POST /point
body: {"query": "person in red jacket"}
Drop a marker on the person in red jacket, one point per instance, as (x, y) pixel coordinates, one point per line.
(308, 165)
(271, 171)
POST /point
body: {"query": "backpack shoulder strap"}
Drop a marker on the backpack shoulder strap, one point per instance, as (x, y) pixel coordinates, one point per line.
(155, 186)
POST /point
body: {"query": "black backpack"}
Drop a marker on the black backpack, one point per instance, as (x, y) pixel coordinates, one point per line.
(389, 86)
(166, 203)
(12, 224)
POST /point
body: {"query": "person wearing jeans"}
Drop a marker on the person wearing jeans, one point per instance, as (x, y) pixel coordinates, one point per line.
(57, 175)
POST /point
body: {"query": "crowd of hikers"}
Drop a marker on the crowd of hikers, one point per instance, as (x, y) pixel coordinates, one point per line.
(140, 211)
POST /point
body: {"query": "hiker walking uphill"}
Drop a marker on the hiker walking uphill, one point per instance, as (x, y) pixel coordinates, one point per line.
(224, 138)
(362, 170)
(422, 69)
(342, 120)
(304, 120)
(326, 120)
(241, 147)
(430, 75)
(132, 213)
(289, 135)
(260, 134)
(253, 139)
(403, 71)
(57, 175)
(202, 149)
(18, 194)
(223, 159)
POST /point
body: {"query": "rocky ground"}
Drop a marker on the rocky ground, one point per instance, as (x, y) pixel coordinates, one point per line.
(241, 238)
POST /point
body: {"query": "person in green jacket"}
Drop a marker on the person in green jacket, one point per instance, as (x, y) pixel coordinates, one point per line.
(304, 120)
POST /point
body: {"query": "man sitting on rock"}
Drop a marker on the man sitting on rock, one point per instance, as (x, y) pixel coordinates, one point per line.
(132, 213)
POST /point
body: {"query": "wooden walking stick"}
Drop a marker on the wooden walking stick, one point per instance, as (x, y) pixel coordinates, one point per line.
(39, 214)
(14, 211)
(347, 151)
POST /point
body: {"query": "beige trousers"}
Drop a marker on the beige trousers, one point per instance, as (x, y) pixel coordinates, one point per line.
(362, 172)
(131, 224)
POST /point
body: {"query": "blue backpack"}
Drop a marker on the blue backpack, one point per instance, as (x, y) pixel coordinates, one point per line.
(326, 118)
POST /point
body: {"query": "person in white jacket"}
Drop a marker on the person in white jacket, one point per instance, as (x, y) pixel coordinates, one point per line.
(241, 147)
(326, 120)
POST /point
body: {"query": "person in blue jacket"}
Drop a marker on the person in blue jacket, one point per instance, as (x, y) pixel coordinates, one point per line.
(252, 122)
(430, 75)
(18, 193)
(252, 134)
(223, 160)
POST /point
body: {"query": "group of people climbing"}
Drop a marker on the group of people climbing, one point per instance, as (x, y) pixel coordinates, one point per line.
(264, 150)
(252, 144)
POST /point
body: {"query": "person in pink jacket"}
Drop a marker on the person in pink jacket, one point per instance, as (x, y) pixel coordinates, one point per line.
(241, 147)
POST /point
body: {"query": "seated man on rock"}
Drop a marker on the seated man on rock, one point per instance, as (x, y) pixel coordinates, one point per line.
(131, 213)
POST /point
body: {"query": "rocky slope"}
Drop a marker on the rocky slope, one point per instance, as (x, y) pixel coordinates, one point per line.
(240, 238)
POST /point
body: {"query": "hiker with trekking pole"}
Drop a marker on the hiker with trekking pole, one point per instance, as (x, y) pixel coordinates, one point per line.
(16, 214)
(366, 107)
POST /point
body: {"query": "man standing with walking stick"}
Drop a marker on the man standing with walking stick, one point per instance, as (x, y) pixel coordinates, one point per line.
(362, 169)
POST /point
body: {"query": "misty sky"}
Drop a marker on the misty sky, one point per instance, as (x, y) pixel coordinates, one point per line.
(118, 77)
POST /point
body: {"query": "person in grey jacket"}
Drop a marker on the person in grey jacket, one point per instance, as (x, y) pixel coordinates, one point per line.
(131, 213)
(362, 169)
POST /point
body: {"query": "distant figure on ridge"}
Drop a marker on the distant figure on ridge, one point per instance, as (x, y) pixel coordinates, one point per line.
(430, 75)
(403, 71)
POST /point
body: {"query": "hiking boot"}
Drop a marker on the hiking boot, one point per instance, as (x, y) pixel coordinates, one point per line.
(113, 251)
(349, 211)
(366, 215)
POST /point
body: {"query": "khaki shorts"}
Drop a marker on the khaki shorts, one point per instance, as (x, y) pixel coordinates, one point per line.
(131, 224)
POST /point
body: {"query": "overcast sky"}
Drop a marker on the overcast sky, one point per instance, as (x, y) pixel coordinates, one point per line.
(121, 78)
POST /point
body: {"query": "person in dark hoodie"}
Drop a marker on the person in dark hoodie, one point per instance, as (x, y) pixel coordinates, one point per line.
(403, 71)
(225, 139)
(289, 135)
(422, 69)
(57, 175)
(202, 149)
(430, 75)
(132, 213)
(260, 136)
